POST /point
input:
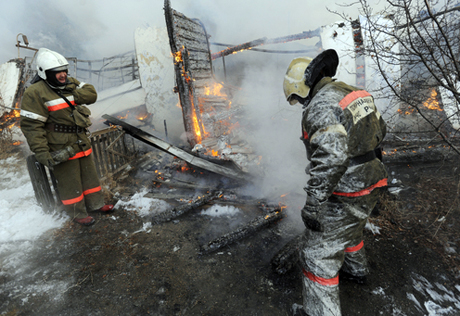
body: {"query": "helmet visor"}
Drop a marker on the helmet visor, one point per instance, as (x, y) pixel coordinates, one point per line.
(60, 68)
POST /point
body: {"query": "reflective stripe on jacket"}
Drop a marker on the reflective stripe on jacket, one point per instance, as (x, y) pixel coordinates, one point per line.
(342, 122)
(41, 105)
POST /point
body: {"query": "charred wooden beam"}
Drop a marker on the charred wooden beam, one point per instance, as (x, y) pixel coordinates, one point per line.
(242, 232)
(192, 60)
(176, 151)
(240, 47)
(265, 41)
(172, 183)
(287, 257)
(187, 96)
(182, 209)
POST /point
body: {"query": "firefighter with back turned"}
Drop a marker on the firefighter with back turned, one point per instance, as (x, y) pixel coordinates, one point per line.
(342, 130)
(54, 122)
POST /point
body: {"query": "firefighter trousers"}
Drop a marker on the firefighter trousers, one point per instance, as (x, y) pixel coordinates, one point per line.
(78, 186)
(339, 246)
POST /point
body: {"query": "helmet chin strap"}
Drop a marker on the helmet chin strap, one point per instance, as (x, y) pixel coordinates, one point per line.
(61, 87)
(53, 87)
(306, 101)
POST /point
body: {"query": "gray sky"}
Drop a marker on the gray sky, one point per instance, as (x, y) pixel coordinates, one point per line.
(91, 29)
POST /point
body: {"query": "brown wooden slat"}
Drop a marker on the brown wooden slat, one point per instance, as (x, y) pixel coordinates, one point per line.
(96, 155)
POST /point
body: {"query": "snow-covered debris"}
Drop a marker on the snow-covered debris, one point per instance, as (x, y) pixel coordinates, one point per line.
(144, 206)
(221, 210)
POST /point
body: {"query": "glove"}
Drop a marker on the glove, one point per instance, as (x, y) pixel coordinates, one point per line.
(71, 86)
(45, 159)
(310, 214)
(62, 155)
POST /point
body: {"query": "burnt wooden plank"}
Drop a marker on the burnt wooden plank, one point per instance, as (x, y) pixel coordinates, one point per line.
(94, 140)
(109, 153)
(105, 158)
(102, 160)
(200, 66)
(177, 152)
(115, 158)
(244, 231)
(182, 209)
(202, 76)
(187, 25)
(119, 148)
(191, 44)
(199, 57)
(196, 33)
(179, 16)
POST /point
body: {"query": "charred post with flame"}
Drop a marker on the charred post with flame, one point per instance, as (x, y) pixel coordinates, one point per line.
(208, 112)
(188, 41)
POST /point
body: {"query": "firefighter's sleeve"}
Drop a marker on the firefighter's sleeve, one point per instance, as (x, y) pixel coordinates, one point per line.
(329, 159)
(34, 115)
(83, 93)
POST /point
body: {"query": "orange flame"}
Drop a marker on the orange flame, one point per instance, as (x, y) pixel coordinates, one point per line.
(10, 119)
(215, 89)
(196, 127)
(142, 117)
(124, 117)
(432, 102)
(178, 57)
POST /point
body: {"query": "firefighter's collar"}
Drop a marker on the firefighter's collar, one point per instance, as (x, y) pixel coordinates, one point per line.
(321, 84)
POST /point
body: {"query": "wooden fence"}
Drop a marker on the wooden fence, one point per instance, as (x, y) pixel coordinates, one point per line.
(111, 152)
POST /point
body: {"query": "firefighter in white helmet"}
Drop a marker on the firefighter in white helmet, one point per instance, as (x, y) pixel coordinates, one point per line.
(54, 122)
(342, 130)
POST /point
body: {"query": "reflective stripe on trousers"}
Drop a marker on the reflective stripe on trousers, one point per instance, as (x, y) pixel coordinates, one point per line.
(78, 186)
(340, 246)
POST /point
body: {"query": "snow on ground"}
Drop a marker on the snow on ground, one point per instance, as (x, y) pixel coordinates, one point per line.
(21, 218)
(428, 299)
(221, 210)
(22, 221)
(433, 295)
(144, 206)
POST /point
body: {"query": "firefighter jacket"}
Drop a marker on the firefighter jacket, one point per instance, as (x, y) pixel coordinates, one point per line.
(49, 123)
(341, 128)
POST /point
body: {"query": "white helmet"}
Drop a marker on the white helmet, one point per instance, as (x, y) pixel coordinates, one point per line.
(49, 60)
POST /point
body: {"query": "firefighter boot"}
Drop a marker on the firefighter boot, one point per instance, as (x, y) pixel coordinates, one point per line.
(87, 221)
(106, 208)
(353, 278)
(297, 310)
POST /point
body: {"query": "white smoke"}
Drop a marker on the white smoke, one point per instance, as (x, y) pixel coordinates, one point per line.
(95, 29)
